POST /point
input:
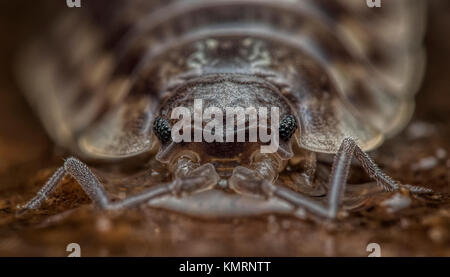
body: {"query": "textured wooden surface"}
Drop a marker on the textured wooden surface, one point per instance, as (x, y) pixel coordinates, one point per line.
(419, 155)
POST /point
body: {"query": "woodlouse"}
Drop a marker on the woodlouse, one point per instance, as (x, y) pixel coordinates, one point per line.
(105, 79)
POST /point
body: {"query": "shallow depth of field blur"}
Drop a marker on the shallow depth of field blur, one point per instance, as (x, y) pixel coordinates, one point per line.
(420, 155)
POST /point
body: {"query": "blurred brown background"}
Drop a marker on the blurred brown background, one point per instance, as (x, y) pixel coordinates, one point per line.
(420, 155)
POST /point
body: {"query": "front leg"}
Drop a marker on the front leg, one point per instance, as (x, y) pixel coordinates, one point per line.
(192, 180)
(251, 182)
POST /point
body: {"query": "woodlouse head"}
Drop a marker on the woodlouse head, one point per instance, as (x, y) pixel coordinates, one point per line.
(206, 103)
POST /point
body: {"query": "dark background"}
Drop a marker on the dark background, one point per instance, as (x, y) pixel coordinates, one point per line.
(28, 157)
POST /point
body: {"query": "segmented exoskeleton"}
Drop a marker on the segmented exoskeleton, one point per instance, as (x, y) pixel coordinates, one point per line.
(107, 76)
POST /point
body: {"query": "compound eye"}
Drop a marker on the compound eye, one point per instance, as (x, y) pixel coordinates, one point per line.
(162, 129)
(288, 125)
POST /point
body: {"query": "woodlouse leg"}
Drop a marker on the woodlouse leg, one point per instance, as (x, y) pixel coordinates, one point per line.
(341, 168)
(243, 181)
(374, 172)
(303, 172)
(249, 181)
(191, 180)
